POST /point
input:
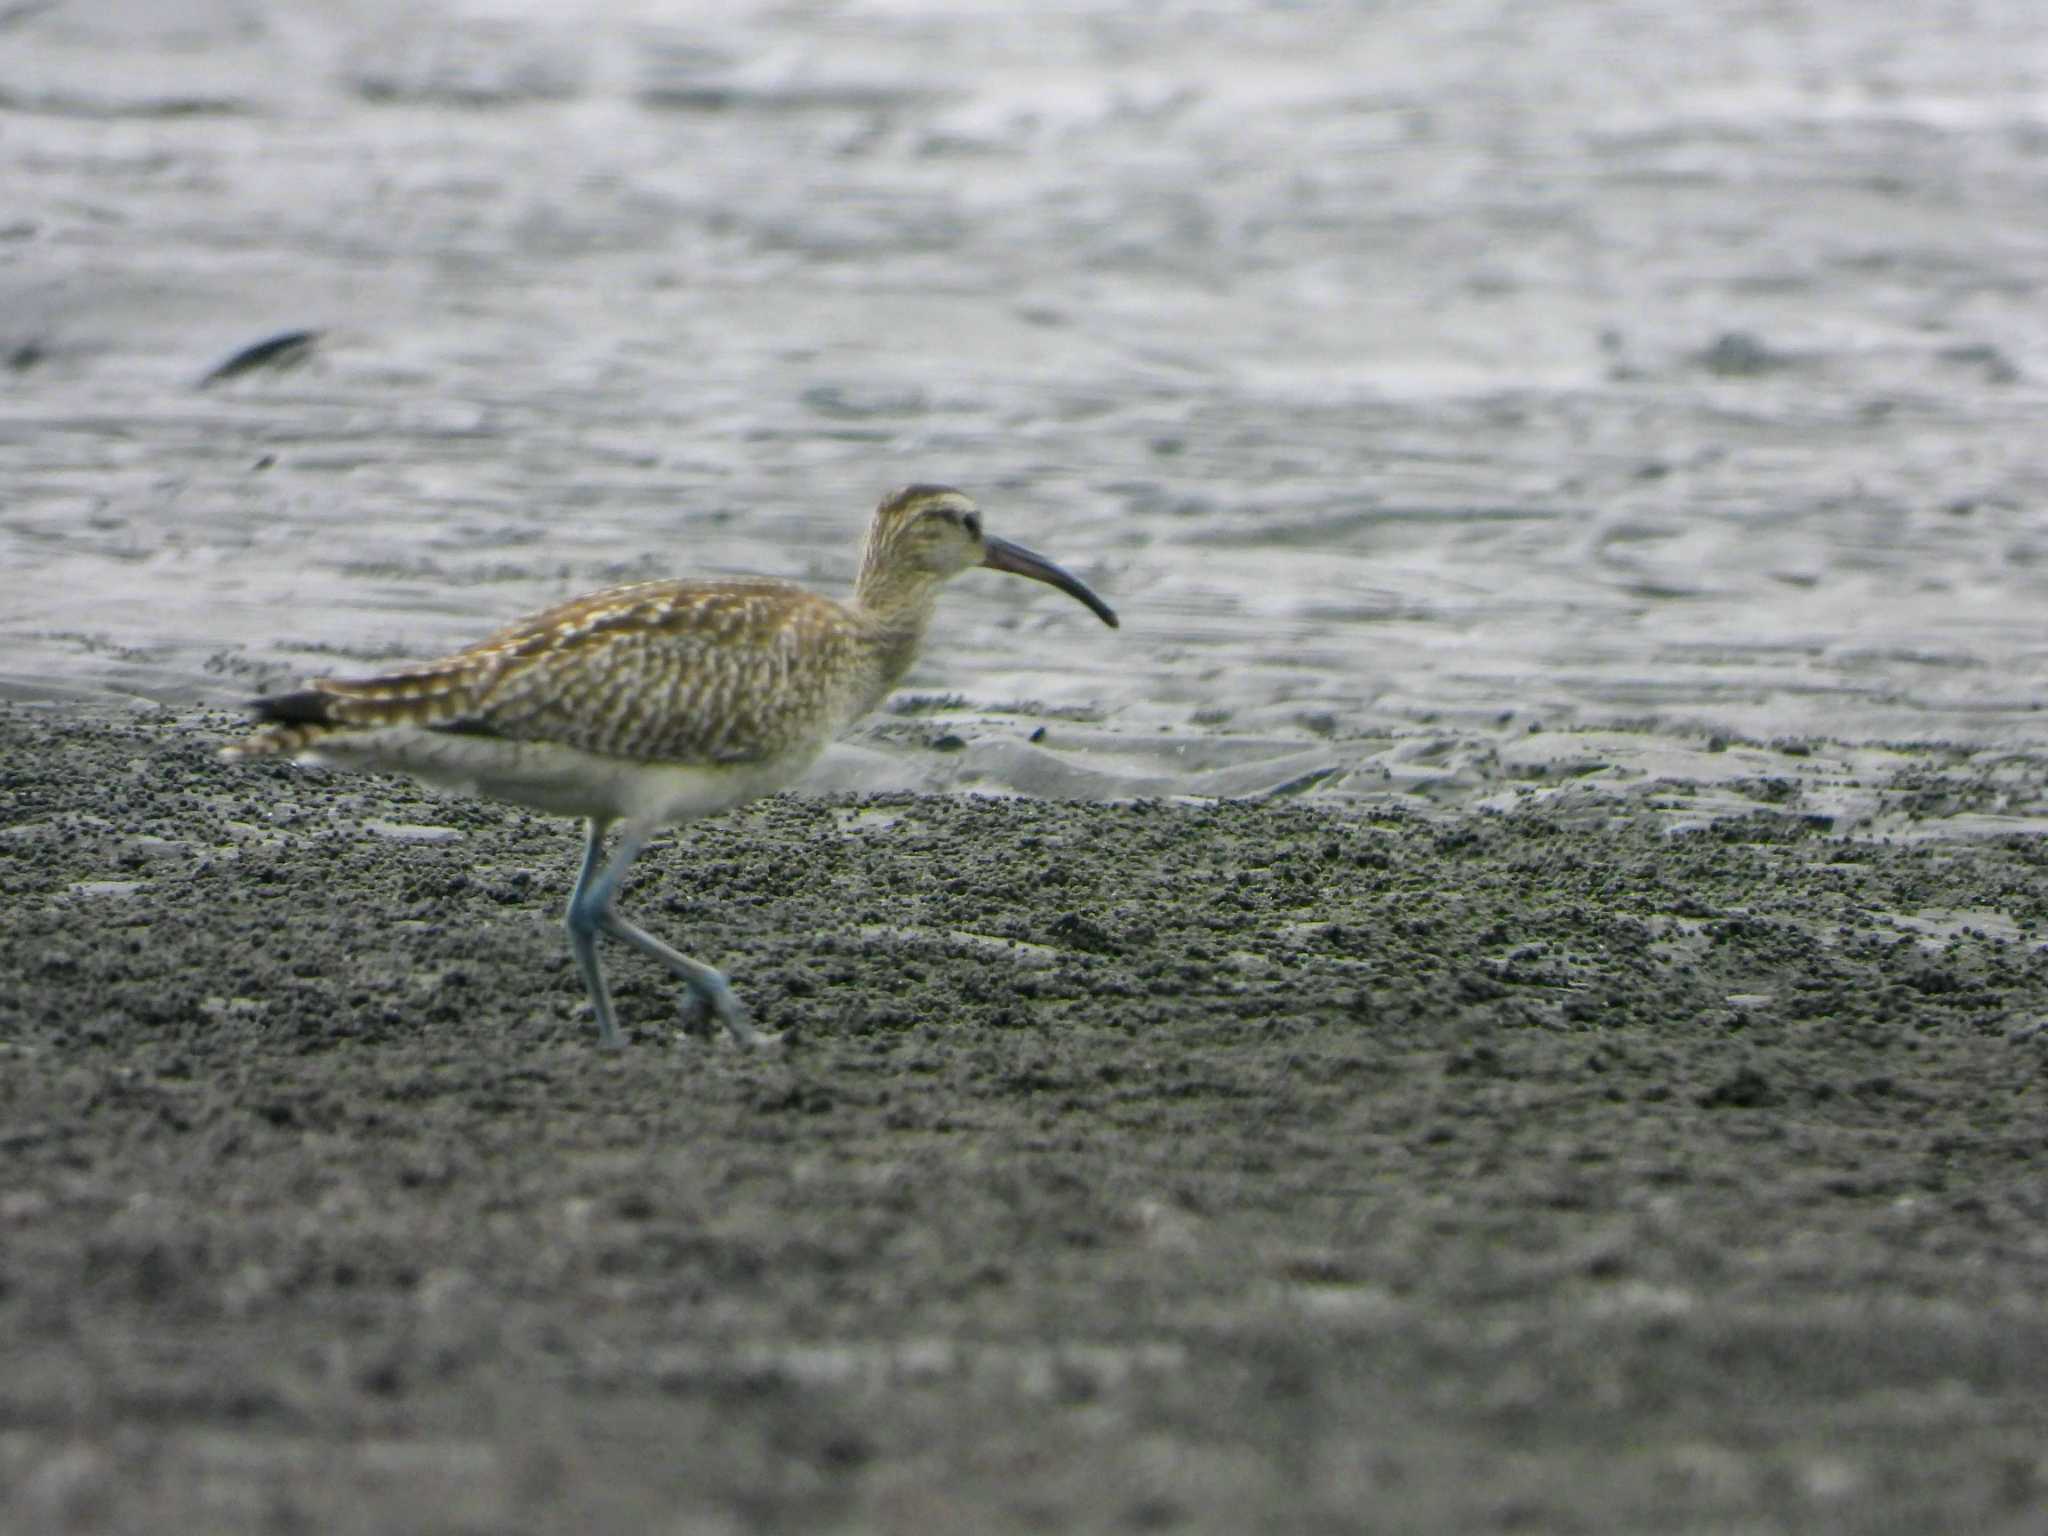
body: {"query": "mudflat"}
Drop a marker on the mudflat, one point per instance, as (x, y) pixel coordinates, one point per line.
(1155, 1166)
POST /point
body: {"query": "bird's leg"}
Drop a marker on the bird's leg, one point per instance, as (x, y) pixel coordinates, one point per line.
(705, 981)
(591, 911)
(583, 919)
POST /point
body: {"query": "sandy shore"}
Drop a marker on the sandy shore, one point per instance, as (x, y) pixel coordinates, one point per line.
(1127, 1167)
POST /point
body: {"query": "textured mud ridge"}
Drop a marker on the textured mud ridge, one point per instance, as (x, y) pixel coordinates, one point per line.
(1152, 1166)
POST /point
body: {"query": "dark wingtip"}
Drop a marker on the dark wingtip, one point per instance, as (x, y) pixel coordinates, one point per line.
(306, 706)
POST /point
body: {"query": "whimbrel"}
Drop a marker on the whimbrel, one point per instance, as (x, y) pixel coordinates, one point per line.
(648, 705)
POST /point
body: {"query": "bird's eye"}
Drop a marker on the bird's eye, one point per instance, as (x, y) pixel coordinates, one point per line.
(971, 521)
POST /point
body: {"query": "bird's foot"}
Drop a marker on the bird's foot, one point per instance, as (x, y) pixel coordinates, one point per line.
(743, 1033)
(699, 1014)
(707, 1005)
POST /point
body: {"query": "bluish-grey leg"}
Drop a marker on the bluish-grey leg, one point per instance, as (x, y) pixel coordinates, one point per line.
(591, 912)
(583, 919)
(707, 982)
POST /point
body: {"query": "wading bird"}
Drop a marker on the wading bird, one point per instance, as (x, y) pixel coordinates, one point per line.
(644, 706)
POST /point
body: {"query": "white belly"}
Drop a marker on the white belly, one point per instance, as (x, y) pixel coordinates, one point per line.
(561, 781)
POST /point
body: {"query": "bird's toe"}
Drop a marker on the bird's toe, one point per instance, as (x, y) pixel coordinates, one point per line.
(700, 1014)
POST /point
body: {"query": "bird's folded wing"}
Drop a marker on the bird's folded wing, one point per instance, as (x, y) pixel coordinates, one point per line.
(710, 672)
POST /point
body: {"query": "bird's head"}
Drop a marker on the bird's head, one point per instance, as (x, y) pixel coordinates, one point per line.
(923, 534)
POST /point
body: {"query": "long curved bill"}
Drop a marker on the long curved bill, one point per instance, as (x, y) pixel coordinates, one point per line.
(1002, 555)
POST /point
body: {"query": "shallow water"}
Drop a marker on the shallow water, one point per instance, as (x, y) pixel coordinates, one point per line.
(1407, 380)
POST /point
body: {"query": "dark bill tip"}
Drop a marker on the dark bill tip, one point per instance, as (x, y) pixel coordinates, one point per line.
(1002, 555)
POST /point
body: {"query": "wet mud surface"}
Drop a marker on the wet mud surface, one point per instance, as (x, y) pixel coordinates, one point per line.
(1574, 1097)
(1152, 1166)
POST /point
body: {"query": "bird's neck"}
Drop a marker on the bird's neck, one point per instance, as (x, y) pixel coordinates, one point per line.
(896, 608)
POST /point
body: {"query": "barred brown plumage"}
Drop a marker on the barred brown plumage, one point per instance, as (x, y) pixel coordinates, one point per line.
(656, 703)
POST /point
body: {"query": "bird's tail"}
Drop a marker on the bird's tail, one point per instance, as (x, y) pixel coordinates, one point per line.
(291, 723)
(437, 695)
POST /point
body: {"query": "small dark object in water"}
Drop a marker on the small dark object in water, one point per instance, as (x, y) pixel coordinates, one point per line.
(287, 349)
(1739, 355)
